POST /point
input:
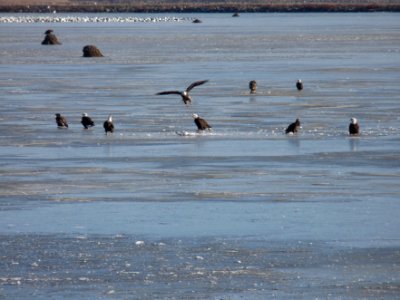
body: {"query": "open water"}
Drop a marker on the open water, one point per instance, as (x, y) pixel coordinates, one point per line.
(242, 212)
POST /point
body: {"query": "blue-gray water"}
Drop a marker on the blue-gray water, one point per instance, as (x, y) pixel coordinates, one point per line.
(243, 212)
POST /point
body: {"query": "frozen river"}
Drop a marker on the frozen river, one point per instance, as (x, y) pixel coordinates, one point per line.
(243, 212)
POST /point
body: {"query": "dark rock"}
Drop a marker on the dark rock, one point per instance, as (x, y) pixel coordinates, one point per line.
(91, 51)
(50, 38)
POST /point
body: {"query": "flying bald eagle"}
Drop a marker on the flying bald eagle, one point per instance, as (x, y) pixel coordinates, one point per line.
(185, 94)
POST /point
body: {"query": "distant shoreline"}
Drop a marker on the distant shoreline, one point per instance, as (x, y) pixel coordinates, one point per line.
(200, 8)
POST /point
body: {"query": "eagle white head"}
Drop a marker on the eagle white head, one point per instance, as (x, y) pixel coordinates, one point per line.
(84, 115)
(109, 118)
(353, 121)
(195, 116)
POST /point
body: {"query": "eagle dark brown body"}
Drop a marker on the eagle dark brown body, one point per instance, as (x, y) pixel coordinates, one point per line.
(294, 127)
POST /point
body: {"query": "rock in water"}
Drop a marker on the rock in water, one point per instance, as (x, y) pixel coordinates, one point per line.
(91, 51)
(50, 38)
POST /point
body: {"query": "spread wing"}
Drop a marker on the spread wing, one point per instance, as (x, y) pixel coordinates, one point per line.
(170, 92)
(196, 83)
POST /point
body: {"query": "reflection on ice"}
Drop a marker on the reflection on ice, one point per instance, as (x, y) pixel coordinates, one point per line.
(354, 143)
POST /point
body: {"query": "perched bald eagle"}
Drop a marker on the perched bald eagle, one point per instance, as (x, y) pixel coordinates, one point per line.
(61, 121)
(108, 125)
(299, 85)
(201, 123)
(185, 94)
(294, 127)
(354, 127)
(87, 121)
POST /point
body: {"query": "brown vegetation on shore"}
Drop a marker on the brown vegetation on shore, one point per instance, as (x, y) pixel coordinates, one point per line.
(195, 6)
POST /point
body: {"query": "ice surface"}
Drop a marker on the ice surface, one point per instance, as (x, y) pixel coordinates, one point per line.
(242, 212)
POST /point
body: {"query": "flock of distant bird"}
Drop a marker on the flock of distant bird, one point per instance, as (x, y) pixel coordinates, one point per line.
(202, 124)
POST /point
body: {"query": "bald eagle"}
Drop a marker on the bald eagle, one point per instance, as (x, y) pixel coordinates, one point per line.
(253, 86)
(201, 123)
(86, 121)
(354, 127)
(294, 127)
(61, 121)
(299, 85)
(108, 125)
(184, 94)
